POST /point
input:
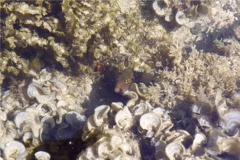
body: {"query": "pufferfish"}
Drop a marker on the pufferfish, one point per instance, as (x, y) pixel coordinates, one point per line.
(128, 76)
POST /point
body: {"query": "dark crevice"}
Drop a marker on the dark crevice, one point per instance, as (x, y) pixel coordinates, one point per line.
(103, 92)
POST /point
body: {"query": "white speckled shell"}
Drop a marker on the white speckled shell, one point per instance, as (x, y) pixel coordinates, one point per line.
(231, 122)
(133, 97)
(32, 90)
(27, 136)
(142, 108)
(100, 113)
(183, 20)
(124, 119)
(21, 118)
(199, 140)
(159, 11)
(14, 150)
(174, 150)
(41, 155)
(116, 106)
(150, 123)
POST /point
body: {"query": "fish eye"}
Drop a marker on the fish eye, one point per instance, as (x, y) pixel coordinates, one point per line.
(127, 81)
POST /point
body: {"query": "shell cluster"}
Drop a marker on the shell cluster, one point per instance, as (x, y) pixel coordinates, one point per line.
(53, 112)
(119, 131)
(185, 11)
(223, 131)
(143, 120)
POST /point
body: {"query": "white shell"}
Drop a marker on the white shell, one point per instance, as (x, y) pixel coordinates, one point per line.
(231, 122)
(116, 106)
(199, 140)
(32, 90)
(196, 109)
(158, 10)
(124, 119)
(3, 116)
(103, 149)
(142, 108)
(46, 95)
(174, 150)
(14, 150)
(133, 97)
(21, 118)
(27, 136)
(221, 105)
(45, 99)
(100, 113)
(204, 121)
(60, 85)
(150, 122)
(115, 140)
(183, 20)
(41, 155)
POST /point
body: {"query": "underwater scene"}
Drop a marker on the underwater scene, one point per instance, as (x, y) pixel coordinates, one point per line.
(120, 80)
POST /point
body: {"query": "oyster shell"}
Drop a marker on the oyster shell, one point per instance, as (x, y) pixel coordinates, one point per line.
(124, 119)
(27, 136)
(142, 108)
(183, 20)
(199, 140)
(14, 150)
(100, 114)
(162, 9)
(174, 150)
(113, 144)
(95, 121)
(150, 122)
(41, 155)
(116, 106)
(231, 122)
(21, 118)
(133, 97)
(32, 90)
(43, 95)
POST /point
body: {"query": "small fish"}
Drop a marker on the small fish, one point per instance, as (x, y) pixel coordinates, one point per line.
(124, 81)
(128, 76)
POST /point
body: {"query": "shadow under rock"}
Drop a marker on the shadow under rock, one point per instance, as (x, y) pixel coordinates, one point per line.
(103, 93)
(207, 42)
(60, 140)
(182, 118)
